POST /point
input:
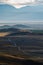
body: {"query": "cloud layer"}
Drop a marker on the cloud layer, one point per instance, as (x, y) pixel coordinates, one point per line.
(21, 3)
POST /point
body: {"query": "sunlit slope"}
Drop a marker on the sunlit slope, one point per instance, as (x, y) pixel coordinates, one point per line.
(2, 34)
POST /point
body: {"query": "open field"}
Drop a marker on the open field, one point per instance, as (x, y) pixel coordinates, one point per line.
(2, 34)
(23, 46)
(12, 61)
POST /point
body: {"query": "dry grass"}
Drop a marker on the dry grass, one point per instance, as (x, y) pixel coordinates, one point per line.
(2, 34)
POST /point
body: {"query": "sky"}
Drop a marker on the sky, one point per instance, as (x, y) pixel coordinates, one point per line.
(13, 11)
(18, 3)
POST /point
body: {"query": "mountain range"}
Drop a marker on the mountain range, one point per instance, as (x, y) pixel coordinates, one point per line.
(20, 29)
(18, 26)
(23, 26)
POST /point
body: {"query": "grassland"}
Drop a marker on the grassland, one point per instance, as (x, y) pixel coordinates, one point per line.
(29, 47)
(2, 34)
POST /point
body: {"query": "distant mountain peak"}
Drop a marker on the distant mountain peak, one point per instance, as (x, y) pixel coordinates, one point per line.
(21, 26)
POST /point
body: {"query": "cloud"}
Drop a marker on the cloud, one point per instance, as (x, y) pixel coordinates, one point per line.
(21, 3)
